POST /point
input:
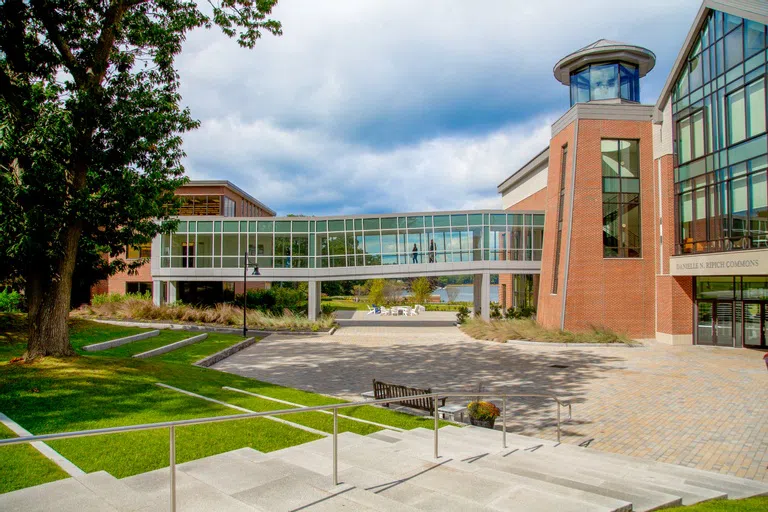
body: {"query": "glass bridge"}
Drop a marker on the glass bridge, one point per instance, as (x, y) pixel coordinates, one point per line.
(316, 249)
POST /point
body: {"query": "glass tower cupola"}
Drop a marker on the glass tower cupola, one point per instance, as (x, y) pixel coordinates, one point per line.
(605, 70)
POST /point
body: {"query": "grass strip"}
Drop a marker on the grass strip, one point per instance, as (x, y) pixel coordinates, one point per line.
(757, 504)
(24, 466)
(166, 337)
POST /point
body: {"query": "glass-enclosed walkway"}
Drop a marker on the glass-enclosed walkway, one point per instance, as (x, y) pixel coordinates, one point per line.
(350, 247)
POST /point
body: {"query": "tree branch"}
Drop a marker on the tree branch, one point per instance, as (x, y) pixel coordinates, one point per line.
(14, 95)
(46, 13)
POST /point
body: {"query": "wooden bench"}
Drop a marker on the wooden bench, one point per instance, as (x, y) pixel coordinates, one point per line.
(383, 390)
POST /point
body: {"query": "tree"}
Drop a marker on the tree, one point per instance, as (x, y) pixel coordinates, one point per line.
(421, 289)
(393, 291)
(452, 292)
(90, 136)
(376, 291)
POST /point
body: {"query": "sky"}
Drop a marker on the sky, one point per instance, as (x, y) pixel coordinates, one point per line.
(381, 106)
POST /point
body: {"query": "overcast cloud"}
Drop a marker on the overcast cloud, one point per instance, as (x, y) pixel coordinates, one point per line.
(375, 106)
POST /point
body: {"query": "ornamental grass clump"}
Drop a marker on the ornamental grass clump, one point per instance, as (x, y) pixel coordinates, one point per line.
(528, 329)
(142, 308)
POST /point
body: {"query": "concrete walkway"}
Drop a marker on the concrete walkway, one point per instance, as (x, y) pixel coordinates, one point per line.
(702, 407)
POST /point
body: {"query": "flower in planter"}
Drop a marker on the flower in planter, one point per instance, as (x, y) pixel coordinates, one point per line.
(483, 411)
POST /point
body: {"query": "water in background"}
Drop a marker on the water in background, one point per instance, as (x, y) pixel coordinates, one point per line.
(465, 293)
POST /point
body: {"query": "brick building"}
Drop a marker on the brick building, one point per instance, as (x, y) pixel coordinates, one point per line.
(207, 198)
(656, 215)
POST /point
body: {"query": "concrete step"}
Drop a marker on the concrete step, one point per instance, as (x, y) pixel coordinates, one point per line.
(570, 476)
(192, 495)
(67, 495)
(120, 496)
(735, 487)
(654, 480)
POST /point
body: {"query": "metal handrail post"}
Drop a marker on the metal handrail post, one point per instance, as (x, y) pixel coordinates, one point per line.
(172, 467)
(436, 425)
(504, 422)
(558, 422)
(335, 447)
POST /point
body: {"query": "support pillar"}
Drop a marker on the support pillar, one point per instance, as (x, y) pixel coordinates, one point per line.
(157, 292)
(476, 292)
(313, 305)
(485, 297)
(172, 292)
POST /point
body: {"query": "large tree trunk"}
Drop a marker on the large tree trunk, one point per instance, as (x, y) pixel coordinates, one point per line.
(48, 300)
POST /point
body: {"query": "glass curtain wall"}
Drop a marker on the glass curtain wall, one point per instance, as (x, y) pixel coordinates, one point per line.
(719, 110)
(350, 242)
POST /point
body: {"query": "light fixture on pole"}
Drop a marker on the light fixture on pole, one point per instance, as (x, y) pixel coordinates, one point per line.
(245, 290)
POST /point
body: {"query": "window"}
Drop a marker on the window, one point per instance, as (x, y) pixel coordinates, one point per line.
(141, 251)
(200, 205)
(621, 199)
(605, 81)
(136, 287)
(746, 112)
(690, 137)
(560, 207)
(229, 207)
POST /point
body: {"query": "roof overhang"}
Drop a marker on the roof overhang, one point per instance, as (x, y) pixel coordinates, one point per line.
(643, 58)
(755, 10)
(533, 164)
(228, 184)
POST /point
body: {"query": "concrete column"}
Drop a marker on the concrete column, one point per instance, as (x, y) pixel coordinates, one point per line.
(476, 292)
(157, 292)
(485, 297)
(313, 306)
(172, 292)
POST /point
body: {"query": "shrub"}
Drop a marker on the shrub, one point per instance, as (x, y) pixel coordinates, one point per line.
(107, 298)
(520, 313)
(11, 301)
(495, 310)
(463, 315)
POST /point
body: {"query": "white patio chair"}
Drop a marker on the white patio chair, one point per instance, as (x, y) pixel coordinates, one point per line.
(385, 311)
(371, 310)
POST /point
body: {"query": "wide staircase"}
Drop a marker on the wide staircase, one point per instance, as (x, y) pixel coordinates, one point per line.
(396, 471)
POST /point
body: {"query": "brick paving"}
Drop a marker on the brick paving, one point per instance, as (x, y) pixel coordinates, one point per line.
(703, 407)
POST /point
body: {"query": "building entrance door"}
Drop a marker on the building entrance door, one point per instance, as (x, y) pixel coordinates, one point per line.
(714, 323)
(755, 318)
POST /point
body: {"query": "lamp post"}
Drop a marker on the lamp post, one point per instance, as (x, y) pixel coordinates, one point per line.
(245, 290)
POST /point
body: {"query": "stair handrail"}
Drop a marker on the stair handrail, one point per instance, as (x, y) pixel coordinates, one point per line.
(171, 425)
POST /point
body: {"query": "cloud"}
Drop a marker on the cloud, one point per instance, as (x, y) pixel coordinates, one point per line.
(306, 171)
(398, 105)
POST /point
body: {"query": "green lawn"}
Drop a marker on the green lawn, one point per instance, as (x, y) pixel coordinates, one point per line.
(110, 388)
(166, 337)
(759, 504)
(24, 466)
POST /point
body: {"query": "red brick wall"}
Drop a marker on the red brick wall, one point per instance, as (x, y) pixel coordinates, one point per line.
(548, 312)
(618, 293)
(674, 308)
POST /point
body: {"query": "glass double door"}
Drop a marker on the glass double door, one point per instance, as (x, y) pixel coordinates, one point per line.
(755, 319)
(732, 323)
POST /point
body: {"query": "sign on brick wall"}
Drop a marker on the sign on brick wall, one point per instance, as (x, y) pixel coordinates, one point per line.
(735, 263)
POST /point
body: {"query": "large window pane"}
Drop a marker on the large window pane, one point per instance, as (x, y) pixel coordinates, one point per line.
(758, 212)
(756, 114)
(684, 140)
(697, 133)
(630, 77)
(739, 209)
(736, 117)
(604, 82)
(734, 49)
(754, 38)
(696, 75)
(580, 86)
(610, 157)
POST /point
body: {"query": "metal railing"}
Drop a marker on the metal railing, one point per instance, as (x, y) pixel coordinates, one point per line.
(171, 425)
